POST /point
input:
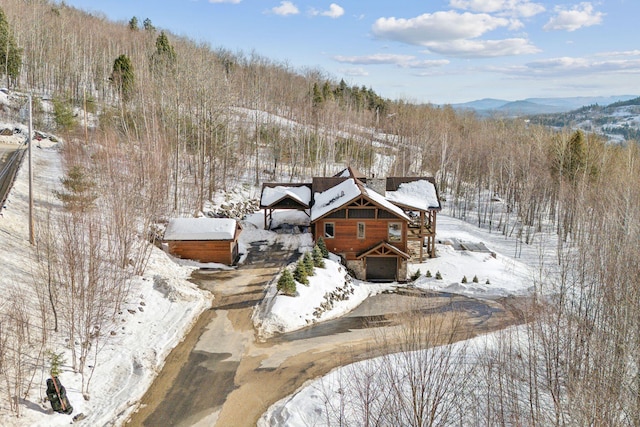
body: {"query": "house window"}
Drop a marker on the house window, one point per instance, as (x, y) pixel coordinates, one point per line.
(395, 232)
(329, 230)
(361, 230)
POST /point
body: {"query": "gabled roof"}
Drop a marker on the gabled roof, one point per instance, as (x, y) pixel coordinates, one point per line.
(272, 194)
(416, 193)
(335, 197)
(344, 192)
(350, 172)
(201, 229)
(381, 249)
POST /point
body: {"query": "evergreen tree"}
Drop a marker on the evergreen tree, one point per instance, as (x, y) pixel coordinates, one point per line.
(300, 273)
(323, 247)
(79, 192)
(133, 24)
(307, 260)
(63, 114)
(147, 25)
(327, 94)
(286, 284)
(163, 60)
(122, 77)
(318, 259)
(317, 96)
(10, 54)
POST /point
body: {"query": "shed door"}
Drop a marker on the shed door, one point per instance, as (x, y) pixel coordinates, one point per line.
(382, 268)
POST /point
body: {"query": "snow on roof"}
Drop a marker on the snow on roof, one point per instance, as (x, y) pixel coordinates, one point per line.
(270, 195)
(381, 200)
(200, 229)
(419, 194)
(334, 197)
(344, 193)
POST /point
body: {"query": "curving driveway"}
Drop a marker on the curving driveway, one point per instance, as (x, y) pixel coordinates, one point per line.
(221, 376)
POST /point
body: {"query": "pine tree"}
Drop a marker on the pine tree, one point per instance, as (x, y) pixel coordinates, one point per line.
(10, 54)
(286, 284)
(318, 259)
(122, 77)
(63, 114)
(163, 60)
(300, 273)
(323, 247)
(147, 25)
(133, 24)
(80, 193)
(307, 260)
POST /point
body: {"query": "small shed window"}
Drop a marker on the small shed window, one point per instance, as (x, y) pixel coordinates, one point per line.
(395, 232)
(329, 230)
(361, 230)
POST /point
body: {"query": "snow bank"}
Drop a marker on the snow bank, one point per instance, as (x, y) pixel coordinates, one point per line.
(331, 293)
(162, 307)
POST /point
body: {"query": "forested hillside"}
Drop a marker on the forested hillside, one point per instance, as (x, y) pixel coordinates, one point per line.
(157, 124)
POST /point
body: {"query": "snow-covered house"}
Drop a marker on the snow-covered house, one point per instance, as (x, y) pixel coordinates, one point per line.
(204, 239)
(370, 223)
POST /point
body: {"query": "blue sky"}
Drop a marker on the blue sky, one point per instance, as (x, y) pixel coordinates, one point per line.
(422, 51)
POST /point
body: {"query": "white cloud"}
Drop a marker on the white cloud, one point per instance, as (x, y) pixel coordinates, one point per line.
(620, 53)
(354, 72)
(572, 66)
(581, 15)
(441, 26)
(285, 8)
(404, 61)
(521, 8)
(225, 1)
(428, 63)
(377, 58)
(455, 34)
(335, 11)
(483, 48)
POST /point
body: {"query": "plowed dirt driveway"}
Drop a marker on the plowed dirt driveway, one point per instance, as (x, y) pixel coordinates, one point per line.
(221, 376)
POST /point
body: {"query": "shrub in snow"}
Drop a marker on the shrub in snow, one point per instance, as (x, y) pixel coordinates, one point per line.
(323, 247)
(318, 259)
(438, 275)
(428, 274)
(488, 283)
(56, 360)
(464, 279)
(475, 279)
(416, 275)
(307, 260)
(300, 273)
(286, 284)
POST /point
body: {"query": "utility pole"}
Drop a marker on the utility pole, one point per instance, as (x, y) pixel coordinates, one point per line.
(30, 139)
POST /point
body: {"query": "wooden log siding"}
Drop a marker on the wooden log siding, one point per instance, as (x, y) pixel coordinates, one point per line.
(346, 242)
(220, 251)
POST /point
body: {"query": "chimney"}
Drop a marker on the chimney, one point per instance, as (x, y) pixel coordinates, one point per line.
(379, 185)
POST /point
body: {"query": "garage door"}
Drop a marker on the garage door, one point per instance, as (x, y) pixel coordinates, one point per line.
(382, 268)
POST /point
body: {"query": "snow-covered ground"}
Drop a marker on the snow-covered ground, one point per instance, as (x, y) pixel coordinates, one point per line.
(162, 308)
(165, 304)
(506, 275)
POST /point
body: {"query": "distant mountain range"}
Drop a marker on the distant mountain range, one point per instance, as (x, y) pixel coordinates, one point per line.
(530, 106)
